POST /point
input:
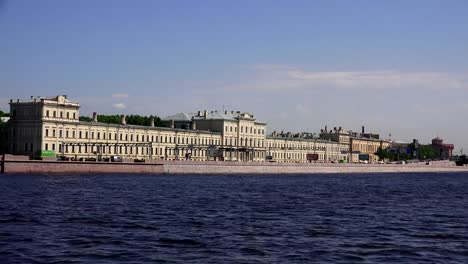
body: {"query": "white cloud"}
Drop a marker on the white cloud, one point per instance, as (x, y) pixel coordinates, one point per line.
(303, 109)
(120, 95)
(275, 78)
(119, 106)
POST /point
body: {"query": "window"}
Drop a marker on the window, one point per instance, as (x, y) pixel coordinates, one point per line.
(14, 113)
(92, 135)
(74, 133)
(68, 115)
(98, 135)
(86, 135)
(61, 114)
(80, 134)
(230, 129)
(242, 129)
(47, 132)
(46, 146)
(66, 134)
(74, 115)
(25, 146)
(47, 113)
(55, 114)
(53, 146)
(60, 133)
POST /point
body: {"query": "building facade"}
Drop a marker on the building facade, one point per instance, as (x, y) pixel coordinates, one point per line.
(52, 125)
(441, 150)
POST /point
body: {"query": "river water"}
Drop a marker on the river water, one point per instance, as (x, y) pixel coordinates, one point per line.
(371, 218)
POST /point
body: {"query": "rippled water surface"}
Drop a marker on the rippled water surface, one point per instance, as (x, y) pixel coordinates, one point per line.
(373, 218)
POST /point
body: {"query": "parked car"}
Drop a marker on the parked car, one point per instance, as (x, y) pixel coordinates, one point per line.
(116, 159)
(63, 158)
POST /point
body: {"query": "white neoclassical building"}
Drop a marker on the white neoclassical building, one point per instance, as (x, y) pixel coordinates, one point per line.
(51, 125)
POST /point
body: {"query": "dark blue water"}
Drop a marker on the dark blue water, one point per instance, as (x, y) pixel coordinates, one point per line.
(379, 218)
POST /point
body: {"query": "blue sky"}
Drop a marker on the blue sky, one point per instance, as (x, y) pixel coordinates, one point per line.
(397, 67)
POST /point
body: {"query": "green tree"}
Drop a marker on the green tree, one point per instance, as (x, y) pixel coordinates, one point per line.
(130, 120)
(3, 136)
(3, 114)
(382, 153)
(426, 152)
(86, 119)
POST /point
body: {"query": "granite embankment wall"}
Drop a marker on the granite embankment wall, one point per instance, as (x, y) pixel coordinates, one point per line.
(14, 164)
(21, 165)
(184, 167)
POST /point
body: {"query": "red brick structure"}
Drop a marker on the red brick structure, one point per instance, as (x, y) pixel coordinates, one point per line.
(442, 151)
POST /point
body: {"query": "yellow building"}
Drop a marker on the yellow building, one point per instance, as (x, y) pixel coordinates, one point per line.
(300, 150)
(364, 148)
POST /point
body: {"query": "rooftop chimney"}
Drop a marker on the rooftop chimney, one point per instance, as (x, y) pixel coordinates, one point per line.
(193, 125)
(199, 113)
(152, 122)
(172, 124)
(362, 129)
(205, 113)
(122, 120)
(94, 117)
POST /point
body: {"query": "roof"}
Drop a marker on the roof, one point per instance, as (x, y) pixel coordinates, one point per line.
(213, 115)
(180, 117)
(145, 127)
(304, 140)
(399, 141)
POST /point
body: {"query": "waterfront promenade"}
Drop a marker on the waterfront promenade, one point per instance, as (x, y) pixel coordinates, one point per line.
(13, 164)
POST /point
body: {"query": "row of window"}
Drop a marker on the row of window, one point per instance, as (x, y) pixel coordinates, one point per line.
(247, 143)
(252, 130)
(297, 146)
(125, 137)
(119, 150)
(300, 156)
(54, 114)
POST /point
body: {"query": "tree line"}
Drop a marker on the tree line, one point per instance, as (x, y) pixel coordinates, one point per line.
(423, 152)
(130, 120)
